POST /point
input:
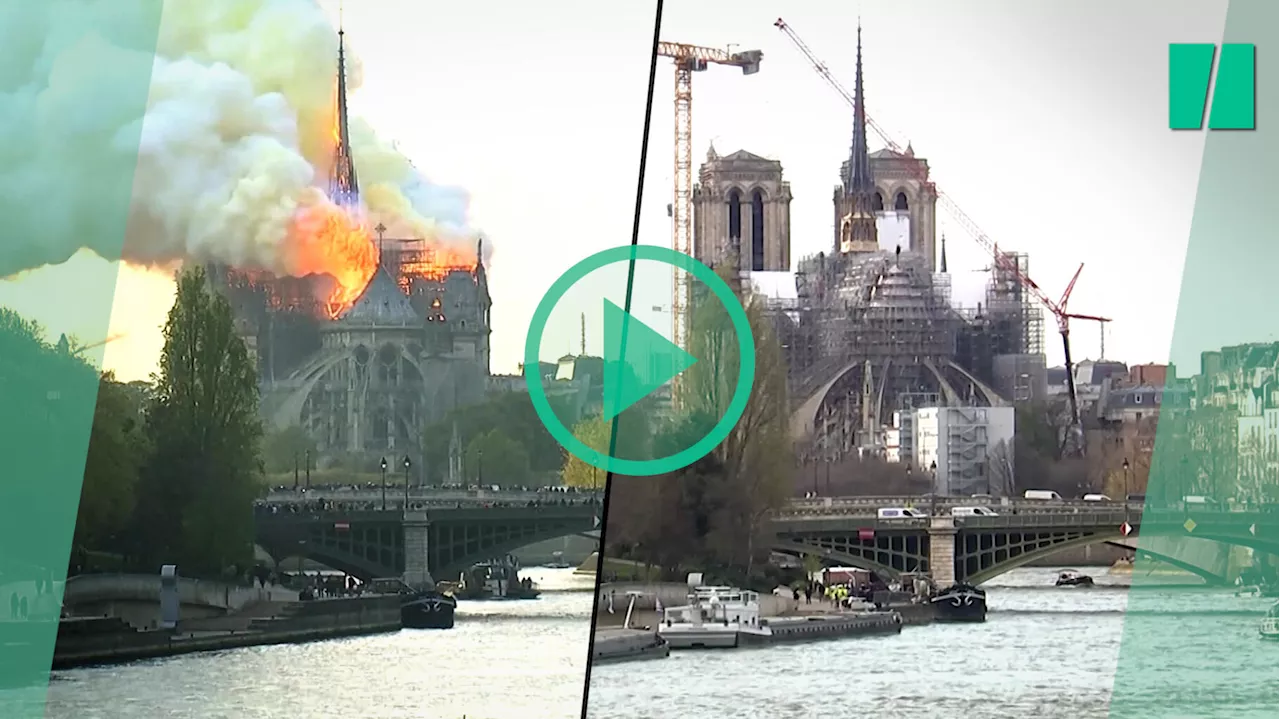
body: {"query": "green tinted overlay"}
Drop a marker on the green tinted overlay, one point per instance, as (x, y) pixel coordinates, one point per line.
(1211, 502)
(672, 405)
(73, 83)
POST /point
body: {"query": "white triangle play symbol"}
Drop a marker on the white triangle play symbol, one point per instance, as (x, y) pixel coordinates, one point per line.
(1126, 529)
(1253, 529)
(595, 522)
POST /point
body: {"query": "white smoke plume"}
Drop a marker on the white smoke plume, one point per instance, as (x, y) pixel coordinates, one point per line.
(237, 133)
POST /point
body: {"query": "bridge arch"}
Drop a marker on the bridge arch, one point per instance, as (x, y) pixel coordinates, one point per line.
(991, 562)
(887, 554)
(834, 557)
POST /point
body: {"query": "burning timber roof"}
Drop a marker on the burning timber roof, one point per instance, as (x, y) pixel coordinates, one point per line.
(381, 303)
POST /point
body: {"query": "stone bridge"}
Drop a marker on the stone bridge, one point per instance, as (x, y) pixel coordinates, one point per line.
(977, 549)
(421, 544)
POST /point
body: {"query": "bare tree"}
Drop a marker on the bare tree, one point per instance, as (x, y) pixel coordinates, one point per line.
(1003, 481)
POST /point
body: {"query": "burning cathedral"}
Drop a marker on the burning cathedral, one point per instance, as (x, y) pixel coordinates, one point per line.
(364, 369)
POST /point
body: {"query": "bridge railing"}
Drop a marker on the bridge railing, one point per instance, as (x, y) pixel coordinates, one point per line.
(859, 509)
(346, 513)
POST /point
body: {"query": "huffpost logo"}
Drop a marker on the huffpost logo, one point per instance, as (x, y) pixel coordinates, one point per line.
(1192, 83)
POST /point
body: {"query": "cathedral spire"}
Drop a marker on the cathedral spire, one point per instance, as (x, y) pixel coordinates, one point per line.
(343, 186)
(943, 262)
(857, 208)
(859, 174)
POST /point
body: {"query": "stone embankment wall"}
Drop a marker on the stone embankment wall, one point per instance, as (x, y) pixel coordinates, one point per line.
(674, 594)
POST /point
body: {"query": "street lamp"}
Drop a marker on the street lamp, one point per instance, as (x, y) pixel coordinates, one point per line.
(480, 467)
(1125, 467)
(407, 464)
(384, 484)
(307, 466)
(933, 487)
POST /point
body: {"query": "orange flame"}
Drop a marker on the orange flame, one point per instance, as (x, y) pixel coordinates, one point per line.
(325, 239)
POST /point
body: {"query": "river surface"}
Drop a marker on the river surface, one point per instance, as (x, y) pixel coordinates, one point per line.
(1043, 653)
(502, 660)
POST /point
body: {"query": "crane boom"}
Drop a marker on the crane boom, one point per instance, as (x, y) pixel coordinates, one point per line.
(689, 59)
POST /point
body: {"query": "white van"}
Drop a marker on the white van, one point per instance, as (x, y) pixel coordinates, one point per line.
(1198, 499)
(1042, 494)
(900, 513)
(972, 512)
(1096, 498)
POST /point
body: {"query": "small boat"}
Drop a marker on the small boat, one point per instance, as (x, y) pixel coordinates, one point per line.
(1072, 578)
(496, 579)
(714, 618)
(960, 603)
(557, 561)
(1270, 626)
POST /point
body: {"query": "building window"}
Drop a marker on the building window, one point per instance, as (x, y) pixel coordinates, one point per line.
(757, 231)
(735, 215)
(1137, 399)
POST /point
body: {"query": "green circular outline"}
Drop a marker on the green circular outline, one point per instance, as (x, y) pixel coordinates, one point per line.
(602, 460)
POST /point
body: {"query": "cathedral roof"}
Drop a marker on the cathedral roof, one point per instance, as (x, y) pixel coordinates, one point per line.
(744, 156)
(381, 303)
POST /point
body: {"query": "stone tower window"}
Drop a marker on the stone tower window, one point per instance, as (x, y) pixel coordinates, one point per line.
(735, 213)
(757, 231)
(877, 203)
(900, 202)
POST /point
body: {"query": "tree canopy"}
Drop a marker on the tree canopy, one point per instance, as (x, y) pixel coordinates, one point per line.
(510, 413)
(118, 448)
(495, 458)
(195, 506)
(712, 513)
(593, 432)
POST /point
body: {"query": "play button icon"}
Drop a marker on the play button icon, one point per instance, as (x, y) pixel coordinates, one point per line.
(637, 360)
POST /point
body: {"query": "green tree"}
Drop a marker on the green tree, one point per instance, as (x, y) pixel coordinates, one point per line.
(285, 449)
(195, 508)
(495, 458)
(594, 433)
(512, 414)
(714, 511)
(118, 449)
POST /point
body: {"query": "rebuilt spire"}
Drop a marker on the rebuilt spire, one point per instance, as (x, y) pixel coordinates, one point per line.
(343, 186)
(858, 177)
(858, 225)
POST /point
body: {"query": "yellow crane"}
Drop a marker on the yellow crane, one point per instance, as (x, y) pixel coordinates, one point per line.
(689, 59)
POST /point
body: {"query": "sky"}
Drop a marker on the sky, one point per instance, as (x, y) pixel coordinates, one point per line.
(1045, 122)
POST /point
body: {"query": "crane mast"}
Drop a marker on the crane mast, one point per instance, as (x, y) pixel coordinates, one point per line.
(1002, 260)
(689, 59)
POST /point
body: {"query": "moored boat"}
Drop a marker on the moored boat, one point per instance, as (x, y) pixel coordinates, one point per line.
(960, 603)
(1270, 626)
(420, 609)
(715, 617)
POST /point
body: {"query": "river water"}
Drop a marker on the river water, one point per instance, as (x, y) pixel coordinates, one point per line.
(502, 660)
(1044, 652)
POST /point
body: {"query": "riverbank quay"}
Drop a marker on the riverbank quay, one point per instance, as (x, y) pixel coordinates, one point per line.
(110, 640)
(617, 645)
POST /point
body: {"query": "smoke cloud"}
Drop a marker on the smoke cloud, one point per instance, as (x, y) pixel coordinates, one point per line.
(236, 138)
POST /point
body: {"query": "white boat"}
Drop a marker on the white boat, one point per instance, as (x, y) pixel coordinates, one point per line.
(715, 617)
(1270, 626)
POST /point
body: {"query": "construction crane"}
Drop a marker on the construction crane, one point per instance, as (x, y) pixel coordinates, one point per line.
(689, 59)
(1002, 260)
